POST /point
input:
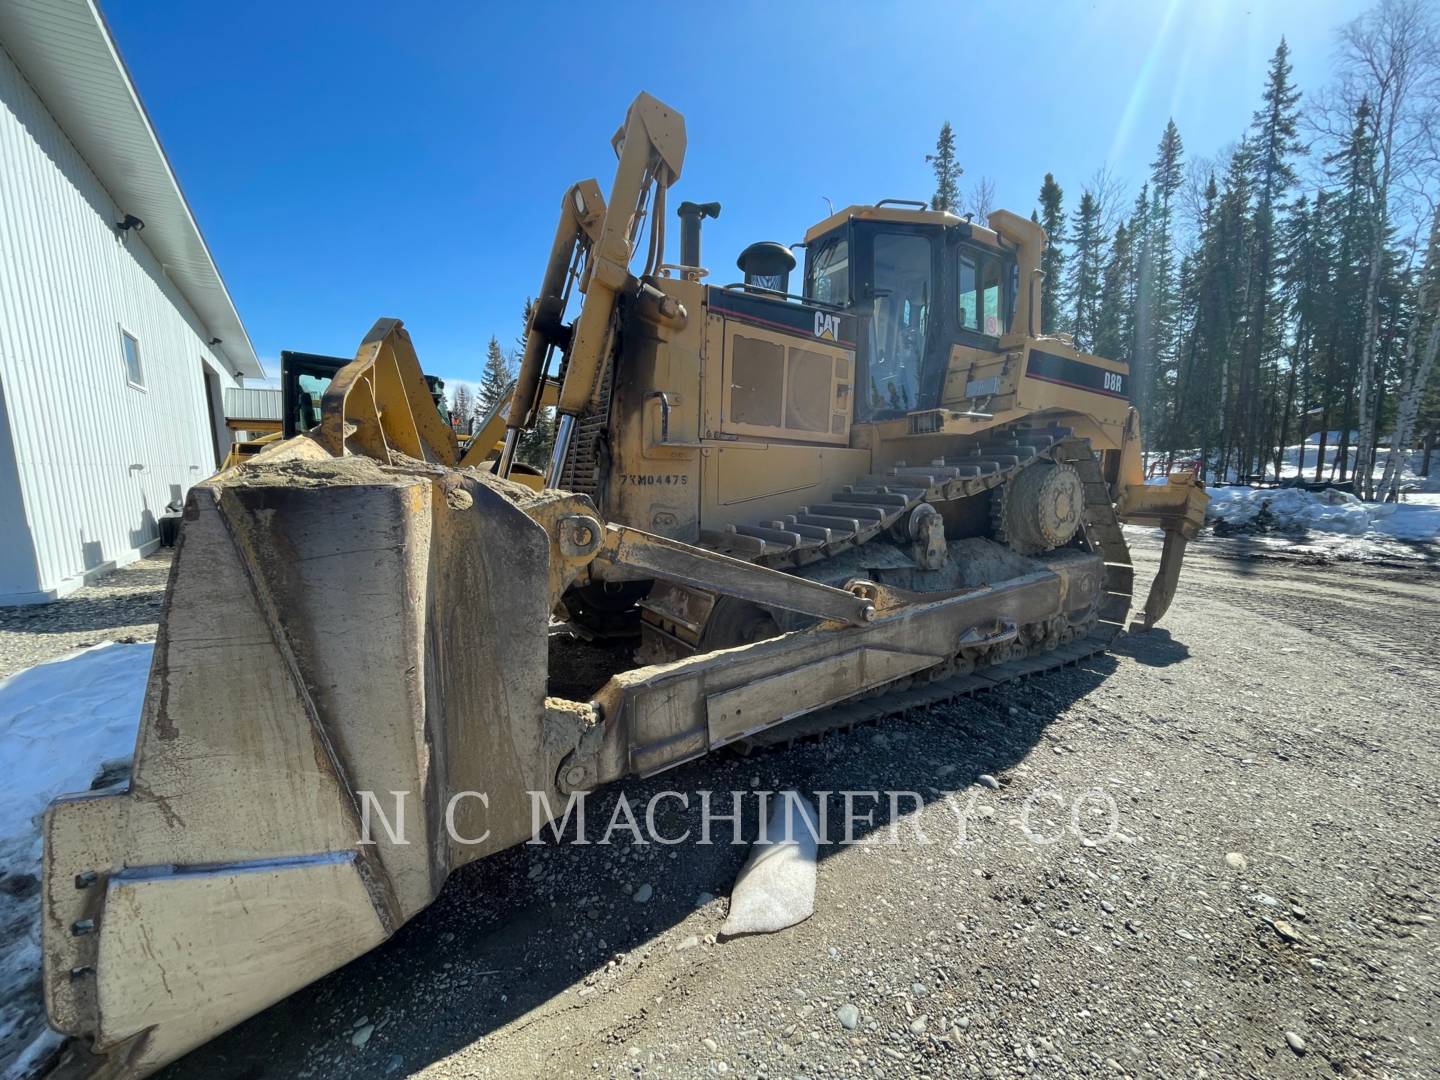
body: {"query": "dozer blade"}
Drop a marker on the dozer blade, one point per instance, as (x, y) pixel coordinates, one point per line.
(1177, 507)
(332, 627)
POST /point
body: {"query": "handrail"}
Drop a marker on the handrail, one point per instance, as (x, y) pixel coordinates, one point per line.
(740, 286)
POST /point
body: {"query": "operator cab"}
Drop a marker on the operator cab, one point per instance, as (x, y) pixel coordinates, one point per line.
(921, 283)
(304, 378)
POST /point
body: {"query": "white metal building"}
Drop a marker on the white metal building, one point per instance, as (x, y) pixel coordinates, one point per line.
(116, 344)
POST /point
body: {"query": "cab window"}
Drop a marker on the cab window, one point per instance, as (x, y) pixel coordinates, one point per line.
(827, 271)
(969, 310)
(990, 297)
(985, 282)
(309, 390)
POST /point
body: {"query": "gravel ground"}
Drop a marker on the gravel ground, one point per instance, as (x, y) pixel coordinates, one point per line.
(1264, 908)
(122, 606)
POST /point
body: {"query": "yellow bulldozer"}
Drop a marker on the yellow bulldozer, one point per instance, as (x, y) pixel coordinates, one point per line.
(780, 509)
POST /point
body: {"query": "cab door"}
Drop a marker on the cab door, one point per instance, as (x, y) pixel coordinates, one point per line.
(896, 291)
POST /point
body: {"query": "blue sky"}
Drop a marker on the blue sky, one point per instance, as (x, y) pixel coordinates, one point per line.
(351, 161)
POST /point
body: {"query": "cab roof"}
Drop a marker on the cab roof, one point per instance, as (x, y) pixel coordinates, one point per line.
(900, 215)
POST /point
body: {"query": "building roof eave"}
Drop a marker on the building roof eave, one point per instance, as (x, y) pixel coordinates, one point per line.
(67, 53)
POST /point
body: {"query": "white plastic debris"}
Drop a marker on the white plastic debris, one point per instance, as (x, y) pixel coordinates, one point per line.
(776, 886)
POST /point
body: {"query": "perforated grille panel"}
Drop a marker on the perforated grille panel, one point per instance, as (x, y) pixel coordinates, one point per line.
(757, 380)
(808, 391)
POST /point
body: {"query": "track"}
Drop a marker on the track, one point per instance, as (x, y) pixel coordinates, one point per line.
(1102, 535)
(674, 618)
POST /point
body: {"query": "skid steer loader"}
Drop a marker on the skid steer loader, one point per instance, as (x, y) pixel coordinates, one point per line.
(790, 510)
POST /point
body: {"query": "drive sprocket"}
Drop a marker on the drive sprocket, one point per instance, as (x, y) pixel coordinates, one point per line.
(1039, 509)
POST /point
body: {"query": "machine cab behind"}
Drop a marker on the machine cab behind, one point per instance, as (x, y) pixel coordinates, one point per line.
(928, 289)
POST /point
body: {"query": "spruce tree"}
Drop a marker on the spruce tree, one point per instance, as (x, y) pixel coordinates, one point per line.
(1274, 143)
(1160, 345)
(1199, 379)
(495, 380)
(1114, 317)
(1352, 167)
(1232, 302)
(1052, 259)
(1083, 288)
(947, 172)
(1140, 345)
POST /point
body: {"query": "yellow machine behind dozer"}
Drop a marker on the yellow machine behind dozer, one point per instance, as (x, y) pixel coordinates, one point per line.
(888, 486)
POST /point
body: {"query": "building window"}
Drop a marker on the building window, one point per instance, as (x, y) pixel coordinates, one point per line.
(130, 346)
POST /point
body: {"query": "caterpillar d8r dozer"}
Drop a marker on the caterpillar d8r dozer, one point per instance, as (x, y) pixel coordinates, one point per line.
(886, 491)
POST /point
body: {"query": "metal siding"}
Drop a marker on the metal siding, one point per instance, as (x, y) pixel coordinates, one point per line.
(77, 428)
(244, 403)
(65, 51)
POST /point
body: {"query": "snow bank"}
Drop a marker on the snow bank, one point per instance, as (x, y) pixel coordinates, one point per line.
(59, 722)
(1294, 510)
(1417, 518)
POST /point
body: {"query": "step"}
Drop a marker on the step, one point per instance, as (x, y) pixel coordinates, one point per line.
(888, 482)
(984, 467)
(1019, 451)
(730, 542)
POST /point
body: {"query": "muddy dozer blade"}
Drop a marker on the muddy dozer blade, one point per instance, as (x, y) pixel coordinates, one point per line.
(332, 627)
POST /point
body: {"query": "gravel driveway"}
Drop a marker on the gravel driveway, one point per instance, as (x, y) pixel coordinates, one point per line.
(1262, 906)
(122, 606)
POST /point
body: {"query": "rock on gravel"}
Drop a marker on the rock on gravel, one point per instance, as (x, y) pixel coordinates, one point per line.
(849, 1016)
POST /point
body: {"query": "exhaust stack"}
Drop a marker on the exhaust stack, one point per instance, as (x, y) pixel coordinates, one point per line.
(691, 215)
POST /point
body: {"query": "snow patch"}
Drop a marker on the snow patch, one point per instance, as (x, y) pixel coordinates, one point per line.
(59, 723)
(1295, 510)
